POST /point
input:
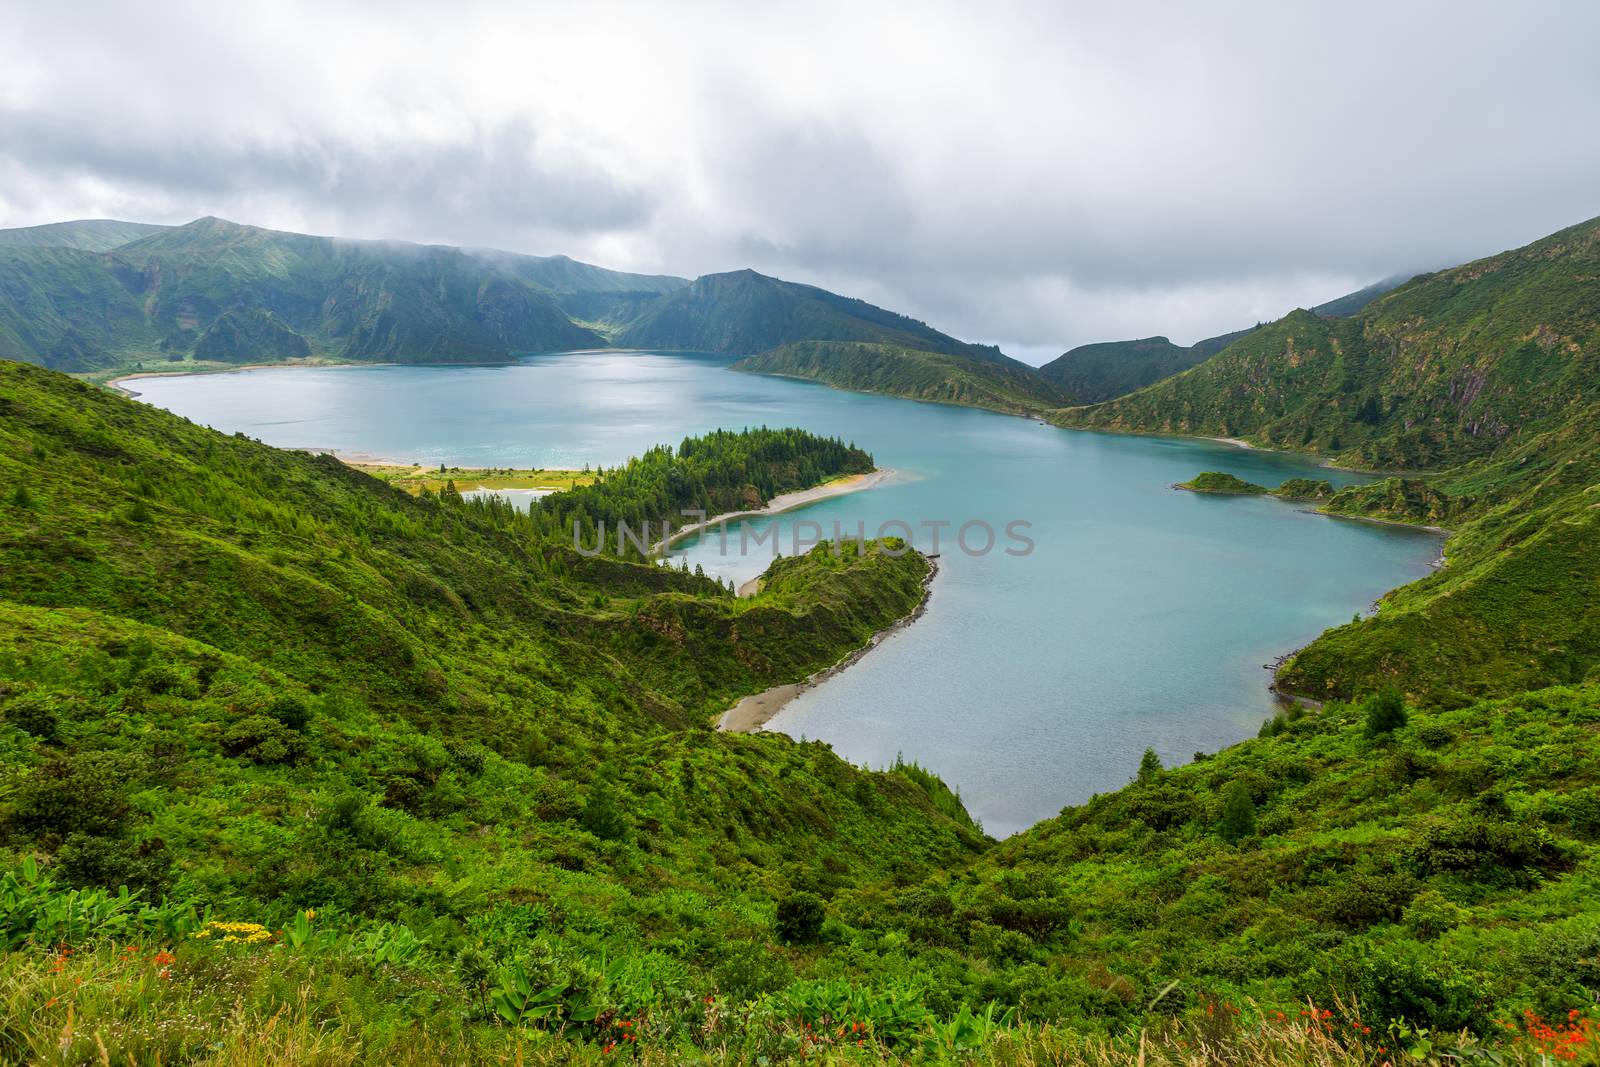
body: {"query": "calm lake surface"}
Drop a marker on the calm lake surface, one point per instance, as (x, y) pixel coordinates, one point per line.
(1143, 616)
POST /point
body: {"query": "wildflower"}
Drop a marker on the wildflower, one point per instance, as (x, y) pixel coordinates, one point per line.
(163, 958)
(235, 933)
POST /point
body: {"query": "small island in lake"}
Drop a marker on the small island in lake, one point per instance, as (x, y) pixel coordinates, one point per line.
(1223, 483)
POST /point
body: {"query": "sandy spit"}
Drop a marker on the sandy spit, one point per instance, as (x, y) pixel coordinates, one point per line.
(783, 502)
(756, 710)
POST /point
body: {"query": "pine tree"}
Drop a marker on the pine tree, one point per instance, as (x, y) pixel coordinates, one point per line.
(1238, 813)
(1149, 766)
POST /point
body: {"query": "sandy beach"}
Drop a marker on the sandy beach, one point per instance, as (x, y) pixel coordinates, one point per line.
(783, 502)
(756, 710)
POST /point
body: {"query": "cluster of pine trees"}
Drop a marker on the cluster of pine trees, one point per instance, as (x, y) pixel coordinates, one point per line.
(719, 472)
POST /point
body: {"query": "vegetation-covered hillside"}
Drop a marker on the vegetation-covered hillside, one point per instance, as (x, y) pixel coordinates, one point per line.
(258, 681)
(743, 312)
(90, 296)
(217, 291)
(1099, 372)
(1485, 376)
(999, 384)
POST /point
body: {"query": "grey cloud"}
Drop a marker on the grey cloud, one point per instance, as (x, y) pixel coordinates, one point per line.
(1042, 175)
(488, 183)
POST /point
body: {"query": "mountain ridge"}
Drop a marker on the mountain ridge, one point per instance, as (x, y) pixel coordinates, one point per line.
(89, 235)
(253, 293)
(1104, 370)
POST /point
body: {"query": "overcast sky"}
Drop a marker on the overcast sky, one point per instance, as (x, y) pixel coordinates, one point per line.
(1037, 176)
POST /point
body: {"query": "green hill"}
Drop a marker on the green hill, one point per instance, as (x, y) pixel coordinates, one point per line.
(1098, 372)
(88, 235)
(1486, 374)
(160, 296)
(1222, 484)
(997, 384)
(1101, 371)
(742, 313)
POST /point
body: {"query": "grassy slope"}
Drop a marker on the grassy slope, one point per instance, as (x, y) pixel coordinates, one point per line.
(1445, 872)
(897, 371)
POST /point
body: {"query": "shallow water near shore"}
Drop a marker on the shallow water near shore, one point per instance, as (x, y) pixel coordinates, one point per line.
(1142, 616)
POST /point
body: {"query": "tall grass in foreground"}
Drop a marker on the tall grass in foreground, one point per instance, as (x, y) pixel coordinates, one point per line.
(130, 1004)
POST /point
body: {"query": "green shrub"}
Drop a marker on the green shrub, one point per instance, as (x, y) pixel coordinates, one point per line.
(84, 793)
(263, 739)
(1364, 899)
(1434, 735)
(36, 713)
(290, 710)
(1406, 981)
(999, 944)
(111, 863)
(1490, 850)
(1431, 913)
(1384, 712)
(799, 918)
(748, 970)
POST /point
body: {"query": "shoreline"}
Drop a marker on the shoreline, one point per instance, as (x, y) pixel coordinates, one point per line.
(222, 368)
(752, 713)
(799, 498)
(760, 708)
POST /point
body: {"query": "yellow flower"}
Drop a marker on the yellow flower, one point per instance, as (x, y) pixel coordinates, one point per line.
(235, 933)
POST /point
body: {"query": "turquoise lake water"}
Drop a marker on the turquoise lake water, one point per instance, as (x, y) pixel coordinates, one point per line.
(1143, 616)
